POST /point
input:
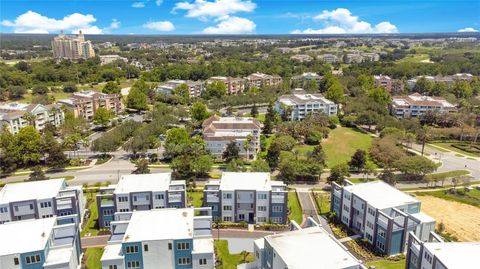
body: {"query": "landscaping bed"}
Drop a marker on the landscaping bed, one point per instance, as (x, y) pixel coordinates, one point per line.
(225, 260)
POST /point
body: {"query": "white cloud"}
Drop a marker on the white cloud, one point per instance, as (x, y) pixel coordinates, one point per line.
(33, 22)
(204, 10)
(158, 2)
(138, 5)
(164, 26)
(231, 25)
(467, 29)
(341, 21)
(115, 24)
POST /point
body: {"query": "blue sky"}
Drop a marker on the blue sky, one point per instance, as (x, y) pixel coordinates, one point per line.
(238, 16)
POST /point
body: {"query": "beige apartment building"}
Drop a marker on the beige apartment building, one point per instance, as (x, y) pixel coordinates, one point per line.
(84, 104)
(394, 86)
(218, 132)
(72, 47)
(260, 80)
(233, 85)
(15, 116)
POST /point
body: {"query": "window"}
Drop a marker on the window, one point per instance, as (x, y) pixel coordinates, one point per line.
(369, 224)
(112, 267)
(31, 206)
(183, 246)
(214, 208)
(32, 259)
(227, 207)
(183, 261)
(261, 219)
(262, 208)
(3, 209)
(159, 196)
(47, 216)
(16, 261)
(227, 219)
(132, 249)
(133, 264)
(145, 247)
(382, 234)
(277, 208)
(277, 220)
(169, 246)
(371, 211)
(227, 196)
(123, 199)
(262, 196)
(107, 223)
(134, 198)
(124, 210)
(108, 212)
(202, 261)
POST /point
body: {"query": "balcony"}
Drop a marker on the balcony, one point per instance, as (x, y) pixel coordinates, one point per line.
(65, 204)
(212, 198)
(278, 199)
(174, 198)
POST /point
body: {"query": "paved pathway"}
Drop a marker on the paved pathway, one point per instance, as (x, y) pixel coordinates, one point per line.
(94, 241)
(309, 208)
(350, 238)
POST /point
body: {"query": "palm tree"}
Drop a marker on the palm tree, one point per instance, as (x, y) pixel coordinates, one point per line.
(30, 118)
(247, 146)
(423, 135)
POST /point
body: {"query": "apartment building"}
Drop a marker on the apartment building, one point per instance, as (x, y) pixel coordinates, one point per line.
(218, 132)
(233, 85)
(299, 104)
(383, 215)
(394, 86)
(17, 115)
(329, 58)
(161, 238)
(415, 105)
(250, 197)
(140, 192)
(40, 243)
(195, 88)
(449, 80)
(72, 47)
(84, 104)
(437, 254)
(260, 80)
(301, 80)
(41, 199)
(302, 248)
(108, 59)
(301, 58)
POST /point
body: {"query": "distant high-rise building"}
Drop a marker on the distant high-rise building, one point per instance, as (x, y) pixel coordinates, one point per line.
(72, 47)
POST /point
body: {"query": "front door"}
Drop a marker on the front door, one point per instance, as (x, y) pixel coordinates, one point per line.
(250, 217)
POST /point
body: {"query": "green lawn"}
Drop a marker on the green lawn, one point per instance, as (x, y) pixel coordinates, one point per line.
(322, 199)
(296, 212)
(415, 58)
(93, 258)
(454, 173)
(28, 97)
(195, 198)
(448, 145)
(227, 260)
(342, 142)
(385, 264)
(92, 225)
(471, 197)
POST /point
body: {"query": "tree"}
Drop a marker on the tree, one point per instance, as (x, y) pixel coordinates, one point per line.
(111, 87)
(235, 165)
(177, 139)
(73, 125)
(40, 90)
(318, 155)
(231, 152)
(16, 92)
(102, 116)
(199, 111)
(30, 144)
(358, 160)
(273, 155)
(388, 176)
(380, 95)
(141, 167)
(136, 99)
(182, 91)
(369, 169)
(260, 165)
(247, 146)
(269, 119)
(254, 111)
(55, 156)
(311, 86)
(285, 142)
(462, 89)
(417, 166)
(423, 135)
(215, 89)
(69, 87)
(37, 174)
(338, 173)
(9, 152)
(385, 152)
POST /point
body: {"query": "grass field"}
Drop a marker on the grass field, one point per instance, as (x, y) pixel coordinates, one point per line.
(93, 258)
(415, 58)
(28, 97)
(322, 199)
(92, 227)
(460, 219)
(195, 198)
(448, 146)
(342, 142)
(227, 260)
(439, 176)
(296, 212)
(386, 264)
(471, 197)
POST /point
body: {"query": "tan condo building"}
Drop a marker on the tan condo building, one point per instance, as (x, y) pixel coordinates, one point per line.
(233, 85)
(260, 80)
(14, 116)
(72, 47)
(84, 104)
(415, 105)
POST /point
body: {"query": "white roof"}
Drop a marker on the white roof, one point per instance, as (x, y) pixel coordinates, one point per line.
(153, 225)
(39, 190)
(25, 236)
(143, 182)
(202, 245)
(245, 181)
(380, 195)
(309, 248)
(422, 217)
(233, 120)
(112, 252)
(455, 255)
(58, 256)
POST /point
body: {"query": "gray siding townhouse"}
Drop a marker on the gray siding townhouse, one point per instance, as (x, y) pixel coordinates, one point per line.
(383, 215)
(140, 192)
(249, 197)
